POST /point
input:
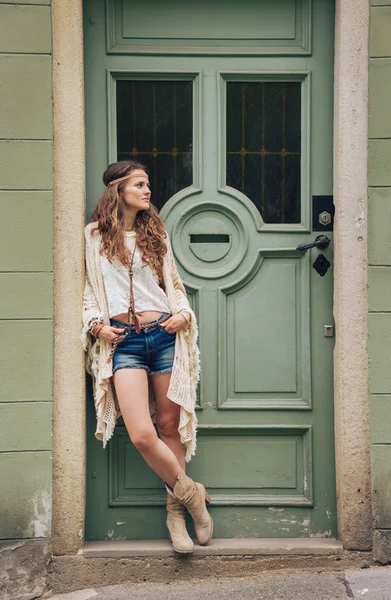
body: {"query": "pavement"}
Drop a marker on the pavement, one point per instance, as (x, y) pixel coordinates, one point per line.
(372, 583)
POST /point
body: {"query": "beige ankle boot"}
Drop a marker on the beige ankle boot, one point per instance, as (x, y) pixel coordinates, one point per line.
(176, 525)
(194, 496)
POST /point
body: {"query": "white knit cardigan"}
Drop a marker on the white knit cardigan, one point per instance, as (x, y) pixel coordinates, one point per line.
(185, 371)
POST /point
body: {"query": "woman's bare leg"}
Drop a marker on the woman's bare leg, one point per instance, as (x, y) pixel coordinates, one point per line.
(131, 386)
(167, 417)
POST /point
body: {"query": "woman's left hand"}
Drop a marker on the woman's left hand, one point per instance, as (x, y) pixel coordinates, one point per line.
(175, 323)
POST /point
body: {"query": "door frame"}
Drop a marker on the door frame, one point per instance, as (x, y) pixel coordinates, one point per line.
(351, 406)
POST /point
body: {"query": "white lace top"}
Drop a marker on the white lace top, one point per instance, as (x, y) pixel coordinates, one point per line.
(148, 295)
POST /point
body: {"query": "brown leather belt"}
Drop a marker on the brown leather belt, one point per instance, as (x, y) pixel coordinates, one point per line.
(152, 323)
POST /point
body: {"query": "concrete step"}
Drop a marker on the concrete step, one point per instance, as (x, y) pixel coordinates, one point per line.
(217, 547)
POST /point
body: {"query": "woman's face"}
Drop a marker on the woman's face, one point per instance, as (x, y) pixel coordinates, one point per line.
(136, 193)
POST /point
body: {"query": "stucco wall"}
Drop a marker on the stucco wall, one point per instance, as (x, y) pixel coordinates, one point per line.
(379, 238)
(26, 282)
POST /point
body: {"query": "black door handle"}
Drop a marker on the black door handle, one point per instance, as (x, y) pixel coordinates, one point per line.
(321, 242)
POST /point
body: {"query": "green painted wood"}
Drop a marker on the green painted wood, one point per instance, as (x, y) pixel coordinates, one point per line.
(380, 360)
(26, 165)
(25, 91)
(265, 440)
(379, 289)
(29, 483)
(379, 226)
(204, 20)
(379, 276)
(381, 485)
(26, 296)
(26, 244)
(281, 454)
(25, 29)
(380, 415)
(209, 28)
(381, 3)
(282, 323)
(275, 326)
(379, 162)
(28, 346)
(380, 43)
(379, 92)
(25, 426)
(26, 216)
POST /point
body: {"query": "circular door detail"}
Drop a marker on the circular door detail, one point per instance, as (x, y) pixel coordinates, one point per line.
(209, 240)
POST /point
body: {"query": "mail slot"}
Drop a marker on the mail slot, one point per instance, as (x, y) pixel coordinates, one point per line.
(209, 238)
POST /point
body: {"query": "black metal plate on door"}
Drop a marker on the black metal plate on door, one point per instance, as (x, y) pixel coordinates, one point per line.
(209, 238)
(321, 265)
(321, 204)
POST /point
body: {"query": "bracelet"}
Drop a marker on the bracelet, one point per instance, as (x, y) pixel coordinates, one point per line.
(93, 322)
(97, 329)
(182, 312)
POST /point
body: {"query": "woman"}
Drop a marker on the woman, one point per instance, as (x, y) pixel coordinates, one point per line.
(140, 335)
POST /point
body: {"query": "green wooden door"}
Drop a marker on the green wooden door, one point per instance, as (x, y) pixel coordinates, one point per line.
(230, 106)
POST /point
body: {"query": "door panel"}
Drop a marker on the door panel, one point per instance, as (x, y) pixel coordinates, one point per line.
(237, 136)
(204, 27)
(269, 353)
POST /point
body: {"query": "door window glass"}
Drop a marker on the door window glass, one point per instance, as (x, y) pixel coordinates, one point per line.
(263, 146)
(155, 126)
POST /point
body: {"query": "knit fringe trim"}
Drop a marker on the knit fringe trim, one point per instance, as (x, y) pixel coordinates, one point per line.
(106, 416)
(188, 418)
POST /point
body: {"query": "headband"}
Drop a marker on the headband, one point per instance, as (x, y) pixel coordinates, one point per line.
(122, 179)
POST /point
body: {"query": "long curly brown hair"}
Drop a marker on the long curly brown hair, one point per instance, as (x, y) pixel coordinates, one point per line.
(109, 212)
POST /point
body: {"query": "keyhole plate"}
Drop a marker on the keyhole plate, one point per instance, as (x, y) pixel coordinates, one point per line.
(321, 265)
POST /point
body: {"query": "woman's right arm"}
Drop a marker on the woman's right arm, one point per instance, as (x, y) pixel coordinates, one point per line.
(92, 312)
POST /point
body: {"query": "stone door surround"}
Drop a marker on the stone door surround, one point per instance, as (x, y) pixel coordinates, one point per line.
(350, 276)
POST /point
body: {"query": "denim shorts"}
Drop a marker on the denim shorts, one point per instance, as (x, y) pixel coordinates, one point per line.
(152, 349)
